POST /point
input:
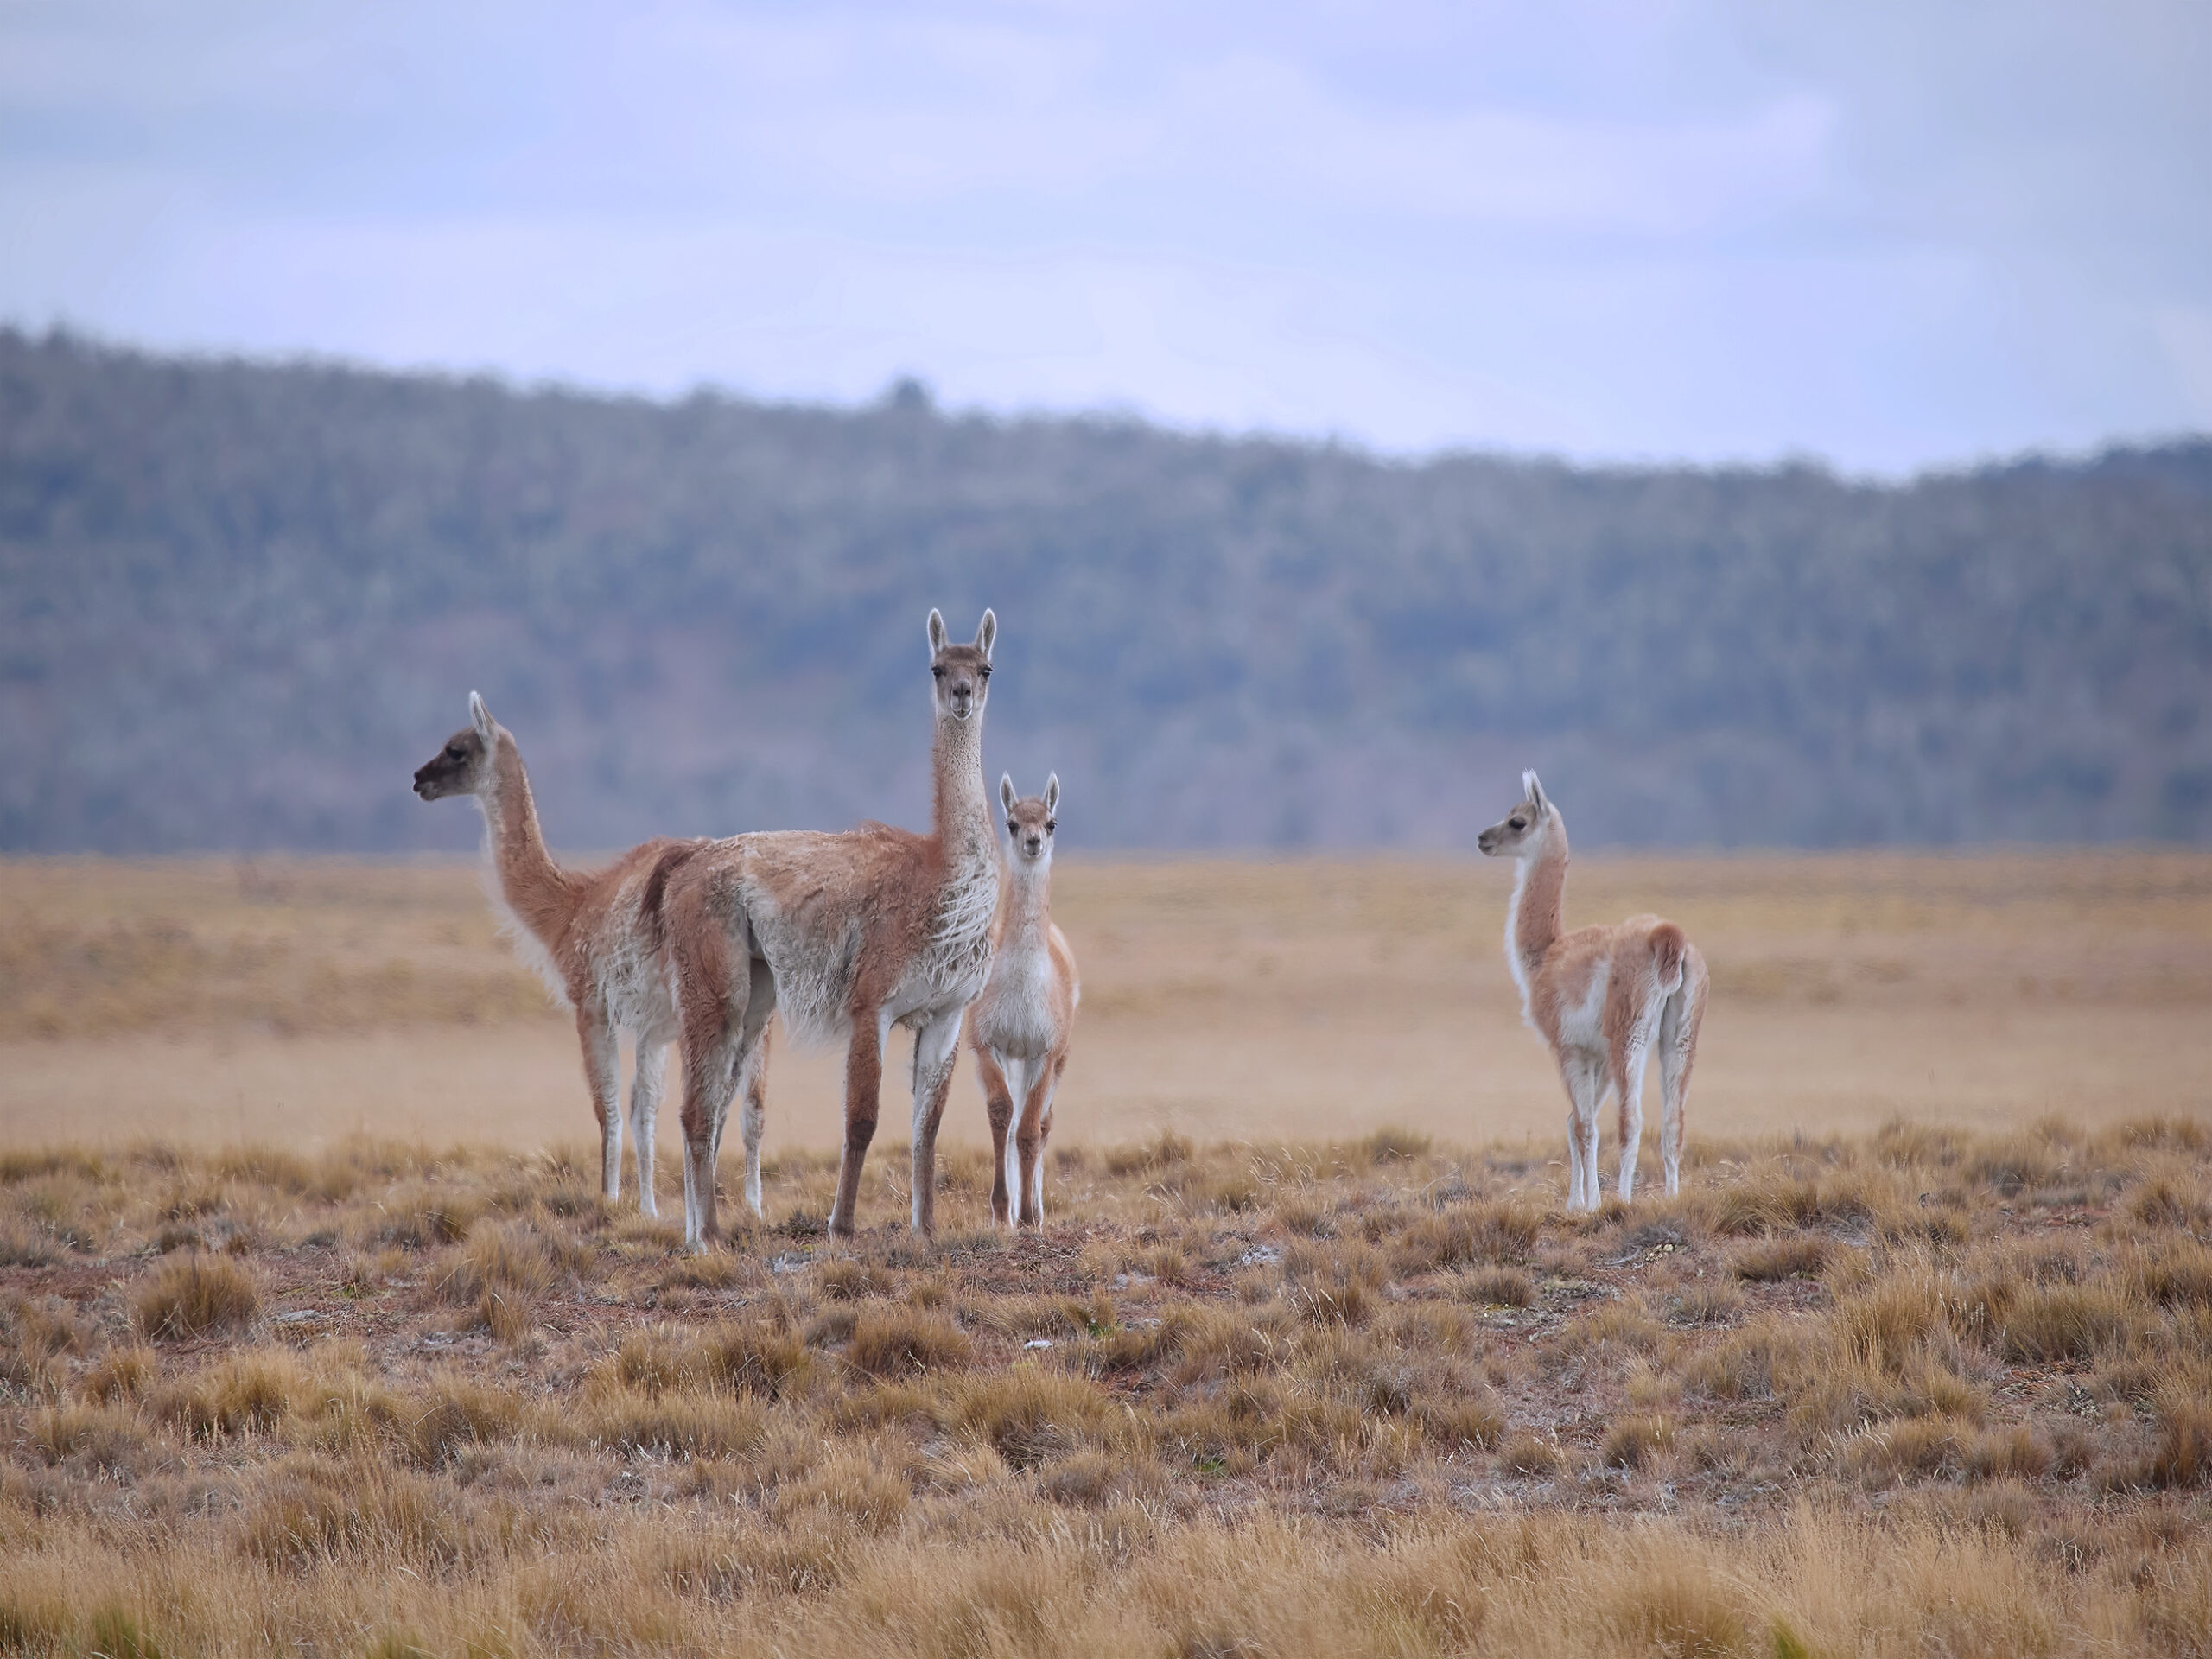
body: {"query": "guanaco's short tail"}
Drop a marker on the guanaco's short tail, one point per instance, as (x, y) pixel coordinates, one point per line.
(1669, 948)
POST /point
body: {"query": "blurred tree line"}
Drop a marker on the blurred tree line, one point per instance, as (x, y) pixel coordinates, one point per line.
(240, 602)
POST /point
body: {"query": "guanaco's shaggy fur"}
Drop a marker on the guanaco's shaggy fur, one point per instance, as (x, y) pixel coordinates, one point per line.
(846, 935)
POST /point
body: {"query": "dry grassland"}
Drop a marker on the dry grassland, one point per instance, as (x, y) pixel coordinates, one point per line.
(1926, 1391)
(1920, 1362)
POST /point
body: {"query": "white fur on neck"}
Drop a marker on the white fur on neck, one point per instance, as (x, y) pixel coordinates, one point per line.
(1513, 957)
(526, 946)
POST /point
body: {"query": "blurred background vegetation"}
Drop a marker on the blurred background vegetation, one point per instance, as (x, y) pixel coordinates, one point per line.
(240, 602)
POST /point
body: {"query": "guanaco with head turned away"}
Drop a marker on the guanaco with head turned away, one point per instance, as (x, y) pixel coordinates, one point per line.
(1600, 997)
(593, 936)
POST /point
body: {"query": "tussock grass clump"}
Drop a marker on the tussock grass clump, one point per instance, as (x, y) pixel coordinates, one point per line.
(425, 1216)
(901, 1341)
(1199, 1189)
(110, 1440)
(250, 1392)
(196, 1294)
(503, 1273)
(34, 1335)
(1703, 1301)
(850, 1489)
(1496, 1231)
(2169, 1200)
(1164, 1151)
(2039, 1323)
(318, 1513)
(1393, 1144)
(1338, 1285)
(756, 1358)
(2014, 1164)
(2182, 1457)
(1524, 1453)
(1795, 1256)
(455, 1416)
(681, 1423)
(2176, 1273)
(23, 1245)
(1027, 1414)
(1499, 1287)
(121, 1374)
(849, 1281)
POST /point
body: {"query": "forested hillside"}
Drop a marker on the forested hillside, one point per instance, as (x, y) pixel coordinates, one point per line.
(239, 603)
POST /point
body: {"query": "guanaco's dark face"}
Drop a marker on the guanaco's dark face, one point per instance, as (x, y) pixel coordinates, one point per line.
(1519, 830)
(462, 766)
(1030, 824)
(962, 673)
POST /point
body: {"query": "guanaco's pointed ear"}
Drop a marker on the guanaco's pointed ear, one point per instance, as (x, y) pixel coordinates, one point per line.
(1006, 790)
(937, 633)
(1535, 792)
(479, 717)
(986, 634)
(1052, 794)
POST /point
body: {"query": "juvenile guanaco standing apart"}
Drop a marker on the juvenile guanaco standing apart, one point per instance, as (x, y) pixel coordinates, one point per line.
(1600, 996)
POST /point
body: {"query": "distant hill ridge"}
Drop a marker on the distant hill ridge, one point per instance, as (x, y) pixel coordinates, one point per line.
(240, 602)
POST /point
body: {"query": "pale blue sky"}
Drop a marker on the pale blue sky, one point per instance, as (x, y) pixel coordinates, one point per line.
(1892, 235)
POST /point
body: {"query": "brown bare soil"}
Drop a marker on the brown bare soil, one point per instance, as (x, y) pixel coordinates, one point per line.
(1290, 1371)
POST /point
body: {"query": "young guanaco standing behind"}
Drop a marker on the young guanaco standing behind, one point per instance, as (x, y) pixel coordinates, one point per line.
(1019, 1026)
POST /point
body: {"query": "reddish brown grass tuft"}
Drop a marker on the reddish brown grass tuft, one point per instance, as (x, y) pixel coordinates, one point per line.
(196, 1294)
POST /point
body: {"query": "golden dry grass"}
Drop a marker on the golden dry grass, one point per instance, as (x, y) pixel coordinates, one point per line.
(1909, 1392)
(1918, 1361)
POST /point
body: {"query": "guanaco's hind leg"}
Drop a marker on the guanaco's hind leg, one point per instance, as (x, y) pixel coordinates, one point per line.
(646, 1089)
(936, 1047)
(1036, 1126)
(1627, 1082)
(714, 1024)
(753, 1081)
(1678, 1028)
(1585, 1076)
(998, 1107)
(603, 1077)
(863, 1099)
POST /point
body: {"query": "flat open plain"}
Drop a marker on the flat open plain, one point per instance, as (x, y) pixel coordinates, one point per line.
(298, 1002)
(315, 1336)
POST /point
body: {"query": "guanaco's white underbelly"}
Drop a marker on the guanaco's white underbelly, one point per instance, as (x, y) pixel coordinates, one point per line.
(1582, 1025)
(922, 997)
(633, 984)
(1015, 1016)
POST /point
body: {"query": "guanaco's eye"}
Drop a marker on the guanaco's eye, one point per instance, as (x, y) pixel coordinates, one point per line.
(1012, 828)
(937, 670)
(1518, 824)
(984, 672)
(1050, 826)
(455, 752)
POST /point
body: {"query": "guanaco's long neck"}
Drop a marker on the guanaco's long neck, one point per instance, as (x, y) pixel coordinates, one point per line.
(540, 892)
(1027, 906)
(960, 817)
(1534, 922)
